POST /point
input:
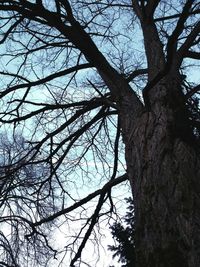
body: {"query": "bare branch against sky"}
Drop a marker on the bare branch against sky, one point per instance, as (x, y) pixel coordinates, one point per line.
(96, 95)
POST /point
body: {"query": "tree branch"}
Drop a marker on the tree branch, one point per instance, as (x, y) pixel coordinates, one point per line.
(151, 7)
(117, 84)
(136, 73)
(83, 201)
(183, 50)
(193, 91)
(43, 80)
(173, 39)
(197, 11)
(94, 220)
(193, 54)
(9, 31)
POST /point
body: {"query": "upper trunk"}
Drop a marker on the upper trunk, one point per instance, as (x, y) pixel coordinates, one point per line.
(153, 48)
(163, 165)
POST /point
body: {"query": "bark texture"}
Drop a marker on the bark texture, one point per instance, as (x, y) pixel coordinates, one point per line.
(163, 165)
(162, 155)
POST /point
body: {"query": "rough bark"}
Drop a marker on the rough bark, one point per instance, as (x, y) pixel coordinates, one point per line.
(164, 169)
(163, 160)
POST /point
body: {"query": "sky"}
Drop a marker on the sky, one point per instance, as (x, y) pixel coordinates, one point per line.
(81, 190)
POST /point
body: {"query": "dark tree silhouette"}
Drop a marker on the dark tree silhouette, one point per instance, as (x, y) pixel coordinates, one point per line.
(84, 83)
(123, 233)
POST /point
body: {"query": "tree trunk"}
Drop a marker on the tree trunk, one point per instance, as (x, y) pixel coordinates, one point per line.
(163, 165)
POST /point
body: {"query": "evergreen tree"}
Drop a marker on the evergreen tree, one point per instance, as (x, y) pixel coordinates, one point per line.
(123, 233)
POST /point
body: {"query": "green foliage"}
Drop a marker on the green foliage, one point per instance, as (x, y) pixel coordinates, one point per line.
(123, 233)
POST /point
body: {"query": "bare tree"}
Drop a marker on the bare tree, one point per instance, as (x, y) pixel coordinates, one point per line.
(86, 81)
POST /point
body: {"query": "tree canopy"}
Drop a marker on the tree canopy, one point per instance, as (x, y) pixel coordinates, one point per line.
(84, 86)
